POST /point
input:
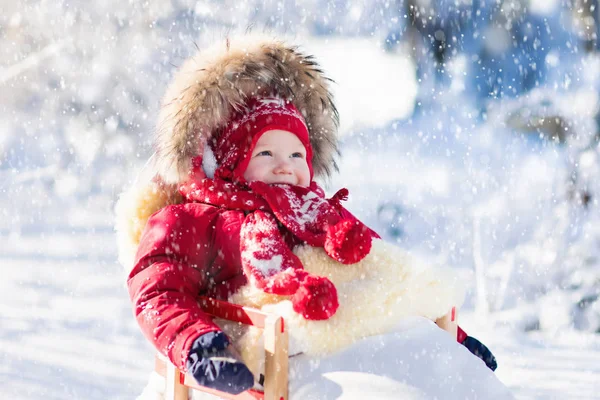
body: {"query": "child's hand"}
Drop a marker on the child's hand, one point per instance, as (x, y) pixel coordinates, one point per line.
(481, 351)
(214, 364)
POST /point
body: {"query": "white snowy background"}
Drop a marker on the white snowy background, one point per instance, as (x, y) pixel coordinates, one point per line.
(470, 136)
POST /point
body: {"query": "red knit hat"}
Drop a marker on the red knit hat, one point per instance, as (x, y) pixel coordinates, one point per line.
(234, 145)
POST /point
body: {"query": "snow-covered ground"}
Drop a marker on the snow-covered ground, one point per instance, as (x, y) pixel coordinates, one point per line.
(461, 191)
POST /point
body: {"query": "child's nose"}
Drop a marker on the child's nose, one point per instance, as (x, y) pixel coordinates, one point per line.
(283, 167)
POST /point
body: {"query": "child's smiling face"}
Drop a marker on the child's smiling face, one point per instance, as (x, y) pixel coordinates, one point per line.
(278, 157)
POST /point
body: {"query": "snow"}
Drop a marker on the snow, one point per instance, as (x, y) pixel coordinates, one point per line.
(394, 92)
(428, 364)
(209, 162)
(454, 166)
(543, 7)
(266, 267)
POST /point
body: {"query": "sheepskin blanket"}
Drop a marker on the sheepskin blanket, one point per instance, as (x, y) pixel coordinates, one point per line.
(375, 294)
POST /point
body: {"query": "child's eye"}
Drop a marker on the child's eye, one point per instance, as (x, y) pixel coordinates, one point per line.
(298, 155)
(264, 153)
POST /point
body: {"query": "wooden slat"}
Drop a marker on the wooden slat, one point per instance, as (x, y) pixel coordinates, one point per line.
(276, 359)
(175, 389)
(251, 394)
(448, 322)
(233, 312)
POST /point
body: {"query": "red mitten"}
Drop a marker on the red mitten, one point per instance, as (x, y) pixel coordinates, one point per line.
(316, 299)
(348, 241)
(267, 261)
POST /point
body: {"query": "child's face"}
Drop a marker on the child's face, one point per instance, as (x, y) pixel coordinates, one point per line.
(278, 157)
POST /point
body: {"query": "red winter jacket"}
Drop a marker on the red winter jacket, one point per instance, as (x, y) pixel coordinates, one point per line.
(185, 250)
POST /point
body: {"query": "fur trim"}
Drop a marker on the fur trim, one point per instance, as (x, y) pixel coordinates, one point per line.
(212, 84)
(132, 211)
(375, 294)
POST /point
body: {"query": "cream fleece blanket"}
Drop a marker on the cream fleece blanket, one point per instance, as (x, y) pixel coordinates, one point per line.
(374, 295)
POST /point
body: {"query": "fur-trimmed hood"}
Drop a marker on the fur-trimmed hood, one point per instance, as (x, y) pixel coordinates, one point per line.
(200, 99)
(219, 80)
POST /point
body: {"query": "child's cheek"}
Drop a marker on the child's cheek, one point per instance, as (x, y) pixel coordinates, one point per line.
(261, 168)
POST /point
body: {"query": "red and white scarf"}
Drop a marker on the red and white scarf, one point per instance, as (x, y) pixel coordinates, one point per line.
(272, 213)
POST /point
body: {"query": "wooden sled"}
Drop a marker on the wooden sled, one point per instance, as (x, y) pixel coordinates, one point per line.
(179, 384)
(276, 356)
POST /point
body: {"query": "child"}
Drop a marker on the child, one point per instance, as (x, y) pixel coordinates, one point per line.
(241, 136)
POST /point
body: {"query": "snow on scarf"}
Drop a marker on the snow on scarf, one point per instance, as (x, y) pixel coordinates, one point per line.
(274, 211)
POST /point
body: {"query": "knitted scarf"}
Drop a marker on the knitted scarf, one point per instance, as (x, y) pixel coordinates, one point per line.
(272, 213)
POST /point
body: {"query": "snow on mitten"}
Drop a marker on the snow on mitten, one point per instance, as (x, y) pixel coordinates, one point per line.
(267, 261)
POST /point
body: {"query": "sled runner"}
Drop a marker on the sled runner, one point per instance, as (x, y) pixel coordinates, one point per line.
(178, 384)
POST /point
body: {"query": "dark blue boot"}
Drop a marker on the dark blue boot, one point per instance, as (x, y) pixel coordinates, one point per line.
(481, 351)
